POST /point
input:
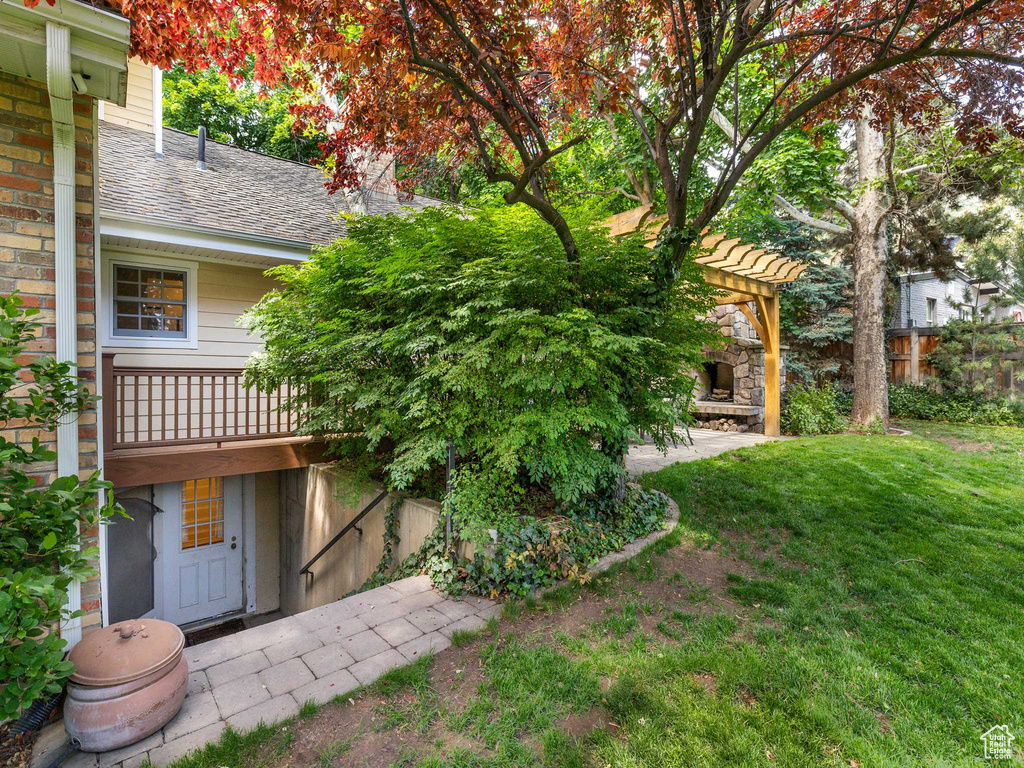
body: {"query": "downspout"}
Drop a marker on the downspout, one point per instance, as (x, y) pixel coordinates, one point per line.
(58, 85)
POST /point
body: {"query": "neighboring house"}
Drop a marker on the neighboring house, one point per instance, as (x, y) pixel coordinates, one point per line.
(174, 255)
(926, 301)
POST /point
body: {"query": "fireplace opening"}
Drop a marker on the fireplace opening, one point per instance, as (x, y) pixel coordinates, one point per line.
(720, 381)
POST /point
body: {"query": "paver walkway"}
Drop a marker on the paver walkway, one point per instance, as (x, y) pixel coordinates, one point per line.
(266, 673)
(706, 443)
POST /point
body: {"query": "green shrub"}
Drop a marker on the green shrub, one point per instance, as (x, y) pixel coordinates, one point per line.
(909, 401)
(474, 325)
(529, 552)
(39, 525)
(813, 411)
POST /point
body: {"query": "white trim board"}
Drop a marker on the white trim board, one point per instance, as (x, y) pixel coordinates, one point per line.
(272, 250)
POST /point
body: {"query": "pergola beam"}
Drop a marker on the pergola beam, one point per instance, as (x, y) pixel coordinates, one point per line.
(727, 281)
(747, 274)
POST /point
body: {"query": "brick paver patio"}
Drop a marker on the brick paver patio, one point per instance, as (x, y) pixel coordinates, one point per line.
(266, 673)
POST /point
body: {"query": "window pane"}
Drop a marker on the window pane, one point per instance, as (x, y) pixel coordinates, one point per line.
(216, 487)
(202, 512)
(202, 535)
(218, 533)
(127, 323)
(154, 287)
(188, 514)
(188, 538)
(188, 490)
(203, 488)
(217, 510)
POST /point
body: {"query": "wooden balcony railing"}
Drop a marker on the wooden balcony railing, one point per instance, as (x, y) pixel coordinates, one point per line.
(156, 407)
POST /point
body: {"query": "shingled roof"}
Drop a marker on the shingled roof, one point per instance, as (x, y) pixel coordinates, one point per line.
(242, 192)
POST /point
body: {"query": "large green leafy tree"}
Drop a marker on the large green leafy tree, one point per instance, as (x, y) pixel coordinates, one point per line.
(39, 524)
(245, 113)
(460, 323)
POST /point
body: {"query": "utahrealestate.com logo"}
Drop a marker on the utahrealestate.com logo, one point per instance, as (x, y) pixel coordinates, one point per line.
(998, 743)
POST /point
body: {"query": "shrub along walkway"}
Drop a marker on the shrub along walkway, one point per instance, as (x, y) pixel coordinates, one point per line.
(266, 673)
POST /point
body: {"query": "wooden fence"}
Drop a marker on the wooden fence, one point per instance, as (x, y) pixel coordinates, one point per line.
(908, 349)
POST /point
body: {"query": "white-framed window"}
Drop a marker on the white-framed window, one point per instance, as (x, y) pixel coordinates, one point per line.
(930, 311)
(149, 301)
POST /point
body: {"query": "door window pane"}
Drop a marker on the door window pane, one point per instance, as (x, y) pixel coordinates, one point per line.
(202, 512)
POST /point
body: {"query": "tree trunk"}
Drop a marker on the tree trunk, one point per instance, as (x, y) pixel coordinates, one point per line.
(870, 251)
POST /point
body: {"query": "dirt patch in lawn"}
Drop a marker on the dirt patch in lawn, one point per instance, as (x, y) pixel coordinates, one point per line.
(970, 446)
(708, 682)
(660, 590)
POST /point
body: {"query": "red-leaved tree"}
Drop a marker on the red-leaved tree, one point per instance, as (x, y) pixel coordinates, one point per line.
(508, 84)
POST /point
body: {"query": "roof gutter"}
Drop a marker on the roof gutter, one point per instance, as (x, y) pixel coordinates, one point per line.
(59, 87)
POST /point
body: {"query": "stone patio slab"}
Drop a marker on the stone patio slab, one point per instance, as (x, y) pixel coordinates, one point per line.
(398, 631)
(282, 678)
(369, 670)
(330, 658)
(269, 712)
(240, 694)
(227, 671)
(326, 688)
(364, 645)
(424, 645)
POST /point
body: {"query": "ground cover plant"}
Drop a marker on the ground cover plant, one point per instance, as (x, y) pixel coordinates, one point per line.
(909, 401)
(463, 326)
(844, 601)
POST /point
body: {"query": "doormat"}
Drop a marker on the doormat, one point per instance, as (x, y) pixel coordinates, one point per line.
(229, 627)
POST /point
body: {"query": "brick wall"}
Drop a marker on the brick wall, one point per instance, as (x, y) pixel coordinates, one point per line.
(27, 252)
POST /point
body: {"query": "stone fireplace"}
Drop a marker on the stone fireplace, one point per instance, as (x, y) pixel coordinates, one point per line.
(730, 386)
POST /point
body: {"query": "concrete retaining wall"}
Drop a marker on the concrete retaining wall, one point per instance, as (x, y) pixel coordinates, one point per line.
(316, 503)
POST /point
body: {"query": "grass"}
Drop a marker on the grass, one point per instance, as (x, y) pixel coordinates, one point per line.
(866, 612)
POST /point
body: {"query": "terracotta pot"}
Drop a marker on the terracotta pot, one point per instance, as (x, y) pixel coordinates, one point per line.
(130, 680)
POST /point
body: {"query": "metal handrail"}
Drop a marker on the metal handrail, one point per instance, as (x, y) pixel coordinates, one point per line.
(348, 527)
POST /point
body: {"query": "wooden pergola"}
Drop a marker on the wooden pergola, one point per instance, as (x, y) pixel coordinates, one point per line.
(746, 275)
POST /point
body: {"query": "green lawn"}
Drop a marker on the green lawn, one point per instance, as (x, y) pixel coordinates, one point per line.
(837, 601)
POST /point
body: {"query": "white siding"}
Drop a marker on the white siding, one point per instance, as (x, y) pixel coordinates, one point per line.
(225, 292)
(921, 289)
(138, 109)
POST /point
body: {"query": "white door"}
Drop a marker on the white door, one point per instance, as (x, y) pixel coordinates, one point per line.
(200, 556)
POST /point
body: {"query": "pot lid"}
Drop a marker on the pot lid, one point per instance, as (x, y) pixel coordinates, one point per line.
(125, 651)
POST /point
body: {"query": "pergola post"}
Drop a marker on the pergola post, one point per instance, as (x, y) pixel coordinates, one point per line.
(743, 273)
(768, 309)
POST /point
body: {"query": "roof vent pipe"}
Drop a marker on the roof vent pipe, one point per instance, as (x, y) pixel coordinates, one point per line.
(201, 161)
